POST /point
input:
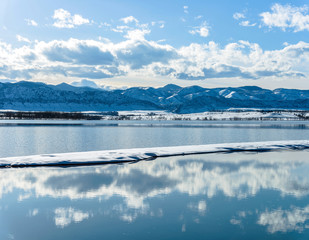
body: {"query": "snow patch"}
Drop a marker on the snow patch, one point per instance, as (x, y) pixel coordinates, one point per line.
(137, 154)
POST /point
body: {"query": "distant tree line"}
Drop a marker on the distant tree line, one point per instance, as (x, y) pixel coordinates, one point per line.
(49, 115)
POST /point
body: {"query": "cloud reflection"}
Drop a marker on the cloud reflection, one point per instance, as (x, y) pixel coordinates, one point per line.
(233, 175)
(294, 219)
(65, 216)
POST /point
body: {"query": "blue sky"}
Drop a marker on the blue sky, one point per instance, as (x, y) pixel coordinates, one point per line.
(153, 43)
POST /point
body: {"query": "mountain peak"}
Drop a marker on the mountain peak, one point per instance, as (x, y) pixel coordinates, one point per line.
(171, 87)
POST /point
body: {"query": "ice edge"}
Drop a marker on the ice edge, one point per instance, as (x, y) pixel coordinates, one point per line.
(137, 154)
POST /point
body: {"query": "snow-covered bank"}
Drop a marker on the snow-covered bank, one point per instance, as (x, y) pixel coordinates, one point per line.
(227, 115)
(128, 155)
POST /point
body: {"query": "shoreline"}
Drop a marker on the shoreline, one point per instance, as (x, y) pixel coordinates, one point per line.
(145, 115)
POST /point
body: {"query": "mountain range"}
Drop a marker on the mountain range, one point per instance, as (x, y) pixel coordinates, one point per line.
(35, 96)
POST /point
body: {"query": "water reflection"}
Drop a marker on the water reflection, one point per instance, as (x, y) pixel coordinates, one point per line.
(240, 191)
(279, 220)
(65, 216)
(159, 124)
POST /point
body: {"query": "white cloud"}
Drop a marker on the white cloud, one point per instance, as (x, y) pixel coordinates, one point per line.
(241, 17)
(22, 39)
(76, 59)
(185, 9)
(120, 29)
(247, 24)
(238, 60)
(31, 22)
(202, 30)
(104, 24)
(238, 15)
(64, 19)
(137, 34)
(161, 24)
(287, 16)
(129, 19)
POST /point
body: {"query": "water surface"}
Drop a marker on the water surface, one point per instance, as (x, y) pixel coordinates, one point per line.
(19, 138)
(214, 196)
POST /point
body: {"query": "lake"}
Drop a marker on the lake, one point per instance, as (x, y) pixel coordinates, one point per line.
(213, 196)
(19, 138)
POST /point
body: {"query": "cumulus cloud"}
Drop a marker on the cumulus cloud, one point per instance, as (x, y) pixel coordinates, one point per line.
(247, 24)
(137, 34)
(241, 17)
(217, 71)
(238, 60)
(202, 30)
(78, 52)
(129, 19)
(13, 73)
(120, 29)
(90, 72)
(287, 17)
(161, 24)
(84, 83)
(238, 15)
(31, 22)
(135, 55)
(64, 19)
(22, 39)
(141, 52)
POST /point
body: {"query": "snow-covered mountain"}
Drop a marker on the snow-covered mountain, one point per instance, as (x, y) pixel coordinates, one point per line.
(32, 96)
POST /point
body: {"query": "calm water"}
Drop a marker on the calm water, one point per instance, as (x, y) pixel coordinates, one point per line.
(19, 138)
(215, 196)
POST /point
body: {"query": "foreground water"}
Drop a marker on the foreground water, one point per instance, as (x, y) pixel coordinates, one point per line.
(18, 138)
(214, 196)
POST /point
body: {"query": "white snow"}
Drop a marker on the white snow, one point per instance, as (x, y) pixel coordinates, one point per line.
(125, 155)
(217, 116)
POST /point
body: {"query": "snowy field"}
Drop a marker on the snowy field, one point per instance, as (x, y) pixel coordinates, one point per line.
(210, 116)
(137, 154)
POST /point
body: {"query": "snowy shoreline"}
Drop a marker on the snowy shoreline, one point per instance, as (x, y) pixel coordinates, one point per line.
(161, 115)
(137, 154)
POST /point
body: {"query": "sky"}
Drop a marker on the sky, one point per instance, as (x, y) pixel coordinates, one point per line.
(124, 43)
